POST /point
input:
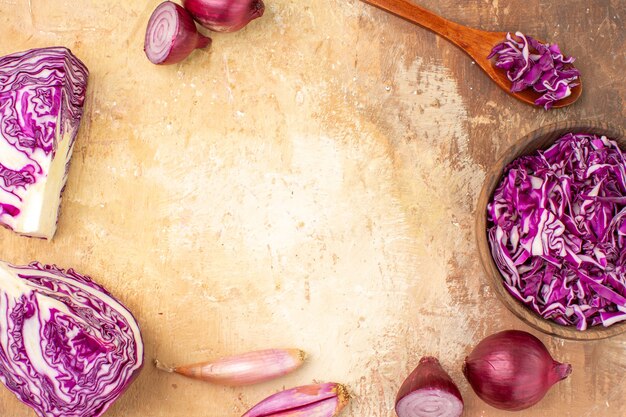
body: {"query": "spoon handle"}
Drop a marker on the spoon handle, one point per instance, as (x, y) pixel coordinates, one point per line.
(425, 18)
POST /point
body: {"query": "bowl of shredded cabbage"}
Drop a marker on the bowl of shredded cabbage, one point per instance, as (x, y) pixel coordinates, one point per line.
(551, 229)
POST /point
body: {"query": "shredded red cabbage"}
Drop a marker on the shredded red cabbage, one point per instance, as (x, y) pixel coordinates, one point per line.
(530, 63)
(557, 228)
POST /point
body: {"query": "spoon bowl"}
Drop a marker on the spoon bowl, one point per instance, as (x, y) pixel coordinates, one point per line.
(476, 43)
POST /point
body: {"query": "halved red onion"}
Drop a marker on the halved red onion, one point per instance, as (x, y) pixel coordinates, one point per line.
(429, 392)
(172, 35)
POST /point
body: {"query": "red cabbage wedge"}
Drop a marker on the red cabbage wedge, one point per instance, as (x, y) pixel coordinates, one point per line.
(42, 92)
(557, 229)
(67, 347)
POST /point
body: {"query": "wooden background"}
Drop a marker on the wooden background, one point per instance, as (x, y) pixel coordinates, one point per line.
(310, 181)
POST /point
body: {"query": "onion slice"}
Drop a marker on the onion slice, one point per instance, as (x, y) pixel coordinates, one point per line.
(172, 35)
(429, 392)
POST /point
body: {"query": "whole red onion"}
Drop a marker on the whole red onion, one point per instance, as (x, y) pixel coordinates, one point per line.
(224, 15)
(512, 370)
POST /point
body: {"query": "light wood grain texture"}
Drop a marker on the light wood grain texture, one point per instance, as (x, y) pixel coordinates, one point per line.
(476, 43)
(539, 139)
(310, 181)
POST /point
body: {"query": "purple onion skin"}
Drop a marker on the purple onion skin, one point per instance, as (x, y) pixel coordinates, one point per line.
(512, 370)
(428, 375)
(225, 15)
(182, 43)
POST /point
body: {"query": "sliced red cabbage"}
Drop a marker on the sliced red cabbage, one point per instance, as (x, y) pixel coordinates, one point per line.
(557, 228)
(531, 64)
(42, 92)
(67, 347)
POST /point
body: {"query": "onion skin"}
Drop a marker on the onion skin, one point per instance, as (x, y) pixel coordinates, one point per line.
(245, 369)
(319, 400)
(512, 370)
(429, 382)
(171, 35)
(224, 15)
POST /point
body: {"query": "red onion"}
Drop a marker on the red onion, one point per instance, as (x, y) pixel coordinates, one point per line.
(429, 391)
(172, 35)
(512, 370)
(224, 15)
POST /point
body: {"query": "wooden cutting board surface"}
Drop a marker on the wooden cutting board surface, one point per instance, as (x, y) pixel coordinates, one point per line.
(310, 181)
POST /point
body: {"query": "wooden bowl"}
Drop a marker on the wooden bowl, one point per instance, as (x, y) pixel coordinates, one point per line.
(539, 139)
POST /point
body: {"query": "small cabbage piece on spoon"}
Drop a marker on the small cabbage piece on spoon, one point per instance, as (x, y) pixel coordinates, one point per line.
(42, 92)
(531, 64)
(67, 347)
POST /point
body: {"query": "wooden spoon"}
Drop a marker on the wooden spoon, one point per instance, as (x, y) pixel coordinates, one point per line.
(476, 43)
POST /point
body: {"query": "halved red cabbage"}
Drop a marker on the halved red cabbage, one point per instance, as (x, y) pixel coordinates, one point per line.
(42, 92)
(557, 228)
(530, 63)
(67, 347)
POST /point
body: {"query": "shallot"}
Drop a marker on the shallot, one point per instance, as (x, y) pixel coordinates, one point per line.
(225, 15)
(319, 400)
(512, 370)
(429, 391)
(245, 369)
(172, 35)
